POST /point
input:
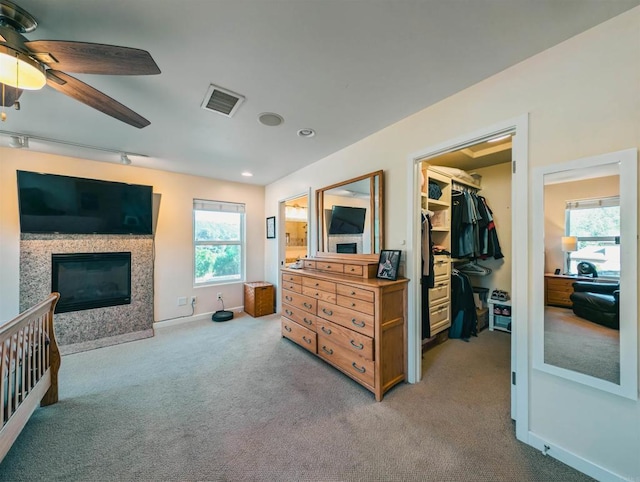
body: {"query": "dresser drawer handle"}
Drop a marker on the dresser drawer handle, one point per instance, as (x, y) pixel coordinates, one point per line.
(287, 328)
(361, 370)
(288, 312)
(327, 312)
(326, 330)
(288, 298)
(352, 305)
(328, 352)
(353, 293)
(359, 346)
(360, 325)
(317, 284)
(308, 322)
(327, 266)
(306, 339)
(352, 269)
(307, 305)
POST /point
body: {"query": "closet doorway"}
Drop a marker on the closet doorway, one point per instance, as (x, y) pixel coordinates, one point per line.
(294, 229)
(502, 182)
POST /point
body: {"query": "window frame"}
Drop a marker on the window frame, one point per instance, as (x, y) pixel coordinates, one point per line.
(224, 207)
(591, 203)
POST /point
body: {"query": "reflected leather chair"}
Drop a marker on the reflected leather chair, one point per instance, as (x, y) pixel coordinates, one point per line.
(597, 302)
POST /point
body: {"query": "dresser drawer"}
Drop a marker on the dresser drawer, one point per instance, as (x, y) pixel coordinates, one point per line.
(319, 294)
(354, 320)
(297, 300)
(319, 284)
(355, 304)
(299, 316)
(360, 345)
(292, 278)
(559, 284)
(559, 298)
(288, 285)
(310, 264)
(439, 318)
(439, 293)
(353, 269)
(353, 292)
(331, 267)
(356, 366)
(301, 335)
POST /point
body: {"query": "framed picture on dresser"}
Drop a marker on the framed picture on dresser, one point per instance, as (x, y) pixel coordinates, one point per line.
(388, 264)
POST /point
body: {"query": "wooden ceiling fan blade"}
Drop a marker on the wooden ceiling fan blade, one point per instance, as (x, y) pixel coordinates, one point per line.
(11, 95)
(86, 94)
(93, 58)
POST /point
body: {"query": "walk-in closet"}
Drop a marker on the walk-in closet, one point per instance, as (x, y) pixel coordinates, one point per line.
(466, 226)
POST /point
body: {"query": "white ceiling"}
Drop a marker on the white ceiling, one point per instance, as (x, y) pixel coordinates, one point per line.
(346, 68)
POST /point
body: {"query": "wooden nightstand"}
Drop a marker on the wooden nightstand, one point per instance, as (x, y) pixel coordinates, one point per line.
(558, 288)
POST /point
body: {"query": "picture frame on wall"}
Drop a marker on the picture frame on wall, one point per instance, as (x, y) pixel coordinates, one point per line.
(388, 264)
(271, 227)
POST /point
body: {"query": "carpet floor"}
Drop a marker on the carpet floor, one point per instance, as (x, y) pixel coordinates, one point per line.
(235, 401)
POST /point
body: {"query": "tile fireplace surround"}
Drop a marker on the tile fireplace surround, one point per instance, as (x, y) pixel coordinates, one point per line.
(87, 329)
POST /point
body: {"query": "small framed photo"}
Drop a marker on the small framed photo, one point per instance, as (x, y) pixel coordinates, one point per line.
(388, 264)
(271, 227)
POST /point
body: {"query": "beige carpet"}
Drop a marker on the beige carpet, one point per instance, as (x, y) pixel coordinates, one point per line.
(236, 402)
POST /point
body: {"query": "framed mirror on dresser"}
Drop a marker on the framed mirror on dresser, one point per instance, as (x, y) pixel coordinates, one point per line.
(333, 305)
(585, 302)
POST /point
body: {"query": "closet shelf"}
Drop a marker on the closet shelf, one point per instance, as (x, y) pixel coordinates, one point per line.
(438, 204)
(441, 229)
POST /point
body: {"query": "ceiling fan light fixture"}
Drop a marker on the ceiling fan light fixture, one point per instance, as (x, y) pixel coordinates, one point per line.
(20, 70)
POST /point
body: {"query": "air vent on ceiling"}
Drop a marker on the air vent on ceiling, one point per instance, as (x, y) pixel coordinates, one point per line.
(222, 101)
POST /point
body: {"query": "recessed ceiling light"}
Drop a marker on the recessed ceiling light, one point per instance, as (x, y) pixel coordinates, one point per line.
(247, 174)
(270, 119)
(306, 133)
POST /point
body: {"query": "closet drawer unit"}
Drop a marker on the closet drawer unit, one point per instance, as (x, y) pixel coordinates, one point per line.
(291, 278)
(354, 292)
(301, 317)
(439, 293)
(439, 318)
(441, 267)
(297, 300)
(309, 264)
(354, 269)
(360, 345)
(331, 267)
(319, 294)
(299, 334)
(354, 320)
(354, 365)
(288, 285)
(319, 284)
(356, 304)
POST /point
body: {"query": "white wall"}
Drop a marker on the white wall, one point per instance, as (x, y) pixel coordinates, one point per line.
(173, 276)
(582, 98)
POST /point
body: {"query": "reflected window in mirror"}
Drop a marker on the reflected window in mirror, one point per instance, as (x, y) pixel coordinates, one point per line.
(350, 216)
(585, 258)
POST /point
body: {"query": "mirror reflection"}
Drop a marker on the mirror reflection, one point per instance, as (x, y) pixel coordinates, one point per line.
(350, 216)
(582, 242)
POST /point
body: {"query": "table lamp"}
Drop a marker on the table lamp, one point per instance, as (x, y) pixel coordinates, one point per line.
(569, 245)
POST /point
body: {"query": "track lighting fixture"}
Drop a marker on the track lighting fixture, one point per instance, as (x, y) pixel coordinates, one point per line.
(18, 142)
(124, 159)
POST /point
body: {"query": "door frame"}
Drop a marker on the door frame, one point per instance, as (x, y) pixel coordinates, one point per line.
(519, 128)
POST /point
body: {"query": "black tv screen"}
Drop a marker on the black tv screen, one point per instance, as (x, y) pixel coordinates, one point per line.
(347, 220)
(50, 203)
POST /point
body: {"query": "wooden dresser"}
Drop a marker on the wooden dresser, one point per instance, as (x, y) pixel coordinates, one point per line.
(558, 288)
(353, 321)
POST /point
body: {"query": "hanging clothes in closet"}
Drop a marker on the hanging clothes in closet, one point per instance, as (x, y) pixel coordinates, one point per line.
(473, 232)
(464, 320)
(427, 279)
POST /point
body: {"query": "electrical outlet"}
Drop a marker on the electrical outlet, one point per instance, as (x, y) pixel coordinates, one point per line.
(219, 296)
(192, 301)
(182, 301)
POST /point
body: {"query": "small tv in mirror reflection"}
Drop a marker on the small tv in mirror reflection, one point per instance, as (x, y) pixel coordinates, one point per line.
(347, 220)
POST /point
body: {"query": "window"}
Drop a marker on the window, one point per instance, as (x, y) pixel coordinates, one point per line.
(596, 224)
(218, 241)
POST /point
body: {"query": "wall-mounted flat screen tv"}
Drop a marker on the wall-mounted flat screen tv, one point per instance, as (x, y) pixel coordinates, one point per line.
(50, 203)
(347, 220)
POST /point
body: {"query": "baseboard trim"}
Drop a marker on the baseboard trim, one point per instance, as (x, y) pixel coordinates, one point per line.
(102, 342)
(572, 460)
(237, 310)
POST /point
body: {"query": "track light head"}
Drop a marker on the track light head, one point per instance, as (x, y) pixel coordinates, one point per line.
(124, 159)
(18, 142)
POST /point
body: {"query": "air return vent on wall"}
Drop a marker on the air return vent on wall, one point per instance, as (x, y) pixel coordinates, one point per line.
(222, 101)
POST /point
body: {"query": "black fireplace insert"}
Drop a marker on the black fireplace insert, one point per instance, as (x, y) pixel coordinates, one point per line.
(91, 280)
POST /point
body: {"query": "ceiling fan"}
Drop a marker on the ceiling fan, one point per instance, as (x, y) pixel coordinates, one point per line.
(29, 65)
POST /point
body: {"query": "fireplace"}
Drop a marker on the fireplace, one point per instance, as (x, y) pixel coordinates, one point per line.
(347, 248)
(91, 280)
